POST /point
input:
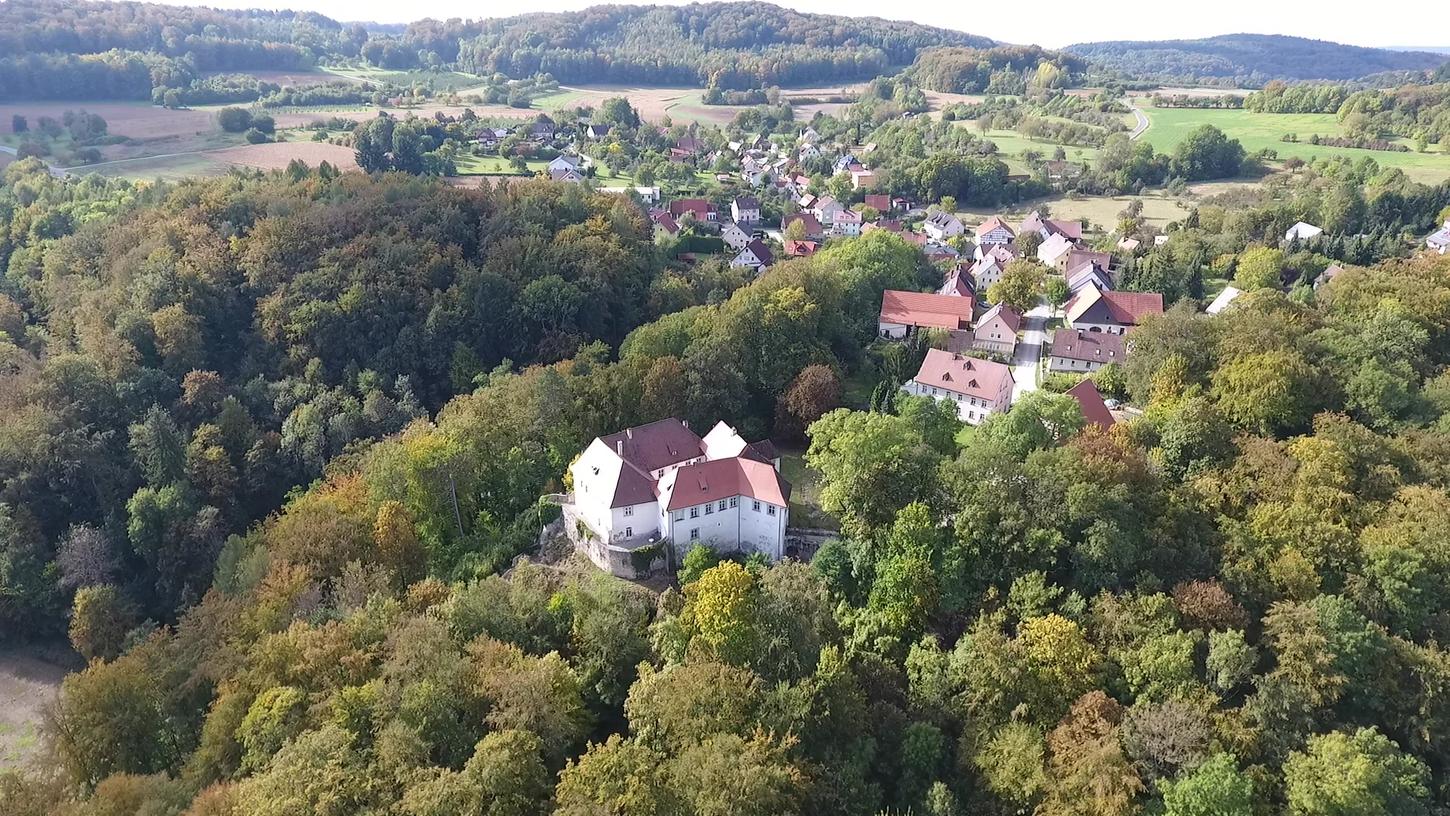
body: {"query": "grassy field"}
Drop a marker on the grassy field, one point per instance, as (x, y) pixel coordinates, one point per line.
(469, 165)
(1265, 130)
(1100, 211)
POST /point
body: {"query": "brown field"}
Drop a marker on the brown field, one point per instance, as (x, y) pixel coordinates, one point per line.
(136, 120)
(276, 155)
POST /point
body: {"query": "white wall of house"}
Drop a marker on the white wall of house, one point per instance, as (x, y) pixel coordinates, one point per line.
(1107, 328)
(1068, 364)
(971, 410)
(743, 524)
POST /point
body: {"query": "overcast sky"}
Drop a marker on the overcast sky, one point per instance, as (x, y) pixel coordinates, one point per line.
(1051, 23)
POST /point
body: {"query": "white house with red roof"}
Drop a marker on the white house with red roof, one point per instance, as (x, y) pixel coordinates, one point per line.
(1096, 310)
(994, 232)
(942, 225)
(991, 263)
(904, 312)
(1078, 351)
(996, 330)
(1094, 408)
(979, 388)
(660, 486)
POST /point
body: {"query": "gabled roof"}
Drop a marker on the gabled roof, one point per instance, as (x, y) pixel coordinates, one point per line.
(665, 221)
(1335, 270)
(942, 219)
(959, 283)
(964, 375)
(800, 249)
(1011, 318)
(761, 252)
(1440, 237)
(993, 223)
(1094, 410)
(880, 201)
(1088, 346)
(655, 445)
(699, 206)
(711, 481)
(1227, 296)
(1055, 247)
(1078, 258)
(812, 224)
(747, 203)
(1123, 308)
(923, 309)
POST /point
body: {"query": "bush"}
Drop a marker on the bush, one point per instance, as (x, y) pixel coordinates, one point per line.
(234, 120)
(255, 136)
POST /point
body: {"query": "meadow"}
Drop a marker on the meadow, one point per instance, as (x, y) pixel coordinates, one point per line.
(1257, 131)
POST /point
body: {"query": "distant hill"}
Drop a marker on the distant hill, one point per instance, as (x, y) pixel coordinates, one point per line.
(730, 45)
(1250, 58)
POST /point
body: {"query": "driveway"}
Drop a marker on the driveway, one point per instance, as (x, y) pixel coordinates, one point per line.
(1029, 350)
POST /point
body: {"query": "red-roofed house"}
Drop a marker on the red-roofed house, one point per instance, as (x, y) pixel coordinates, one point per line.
(1075, 350)
(812, 225)
(1095, 310)
(904, 312)
(664, 224)
(997, 330)
(978, 387)
(800, 249)
(702, 210)
(994, 231)
(1047, 227)
(1094, 410)
(662, 483)
(879, 202)
(958, 283)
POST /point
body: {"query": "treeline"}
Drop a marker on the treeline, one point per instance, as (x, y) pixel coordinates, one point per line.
(1012, 69)
(926, 160)
(732, 46)
(1281, 97)
(1250, 60)
(1206, 101)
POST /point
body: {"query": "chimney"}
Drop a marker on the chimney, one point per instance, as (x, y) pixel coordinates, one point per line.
(629, 432)
(685, 423)
(619, 447)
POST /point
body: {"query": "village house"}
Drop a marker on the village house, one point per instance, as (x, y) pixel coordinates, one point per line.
(568, 174)
(664, 224)
(1096, 310)
(1058, 170)
(808, 152)
(801, 249)
(825, 209)
(993, 232)
(1129, 245)
(1054, 251)
(809, 223)
(596, 132)
(564, 162)
(660, 486)
(542, 129)
(702, 211)
(880, 202)
(1094, 408)
(943, 225)
(754, 255)
(1089, 274)
(989, 267)
(979, 388)
(1302, 232)
(1439, 241)
(1078, 351)
(846, 223)
(959, 283)
(902, 313)
(1048, 227)
(1226, 297)
(863, 179)
(745, 209)
(996, 331)
(734, 235)
(1078, 258)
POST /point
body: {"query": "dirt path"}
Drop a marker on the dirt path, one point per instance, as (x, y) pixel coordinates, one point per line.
(29, 680)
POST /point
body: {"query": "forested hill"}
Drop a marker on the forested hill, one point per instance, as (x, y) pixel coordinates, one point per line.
(1251, 58)
(732, 45)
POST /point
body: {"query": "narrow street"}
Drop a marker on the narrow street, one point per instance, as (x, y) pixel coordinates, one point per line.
(1029, 350)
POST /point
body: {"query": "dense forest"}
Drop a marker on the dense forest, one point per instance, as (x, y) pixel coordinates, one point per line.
(1249, 60)
(1231, 605)
(999, 70)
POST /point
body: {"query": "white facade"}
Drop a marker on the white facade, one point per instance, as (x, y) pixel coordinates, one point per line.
(971, 410)
(892, 331)
(942, 226)
(733, 236)
(732, 523)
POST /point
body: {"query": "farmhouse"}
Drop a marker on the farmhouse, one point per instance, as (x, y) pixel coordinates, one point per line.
(997, 330)
(1078, 258)
(664, 224)
(1095, 310)
(801, 249)
(661, 484)
(978, 387)
(943, 225)
(846, 223)
(904, 312)
(1075, 350)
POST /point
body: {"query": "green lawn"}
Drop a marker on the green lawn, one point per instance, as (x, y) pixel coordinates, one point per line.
(557, 100)
(1266, 130)
(805, 492)
(1101, 212)
(437, 80)
(471, 165)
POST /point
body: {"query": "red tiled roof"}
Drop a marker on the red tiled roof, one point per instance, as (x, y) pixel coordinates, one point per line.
(699, 206)
(964, 375)
(1089, 346)
(704, 482)
(882, 203)
(959, 281)
(800, 249)
(992, 223)
(1093, 408)
(1069, 229)
(1079, 257)
(923, 309)
(812, 224)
